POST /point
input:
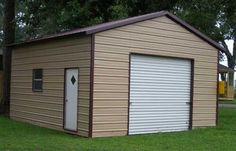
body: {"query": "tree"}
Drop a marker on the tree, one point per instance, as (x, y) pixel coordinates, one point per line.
(8, 38)
(1, 22)
(42, 17)
(139, 7)
(215, 18)
(228, 27)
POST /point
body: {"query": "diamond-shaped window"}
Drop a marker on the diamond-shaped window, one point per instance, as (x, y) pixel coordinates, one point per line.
(73, 80)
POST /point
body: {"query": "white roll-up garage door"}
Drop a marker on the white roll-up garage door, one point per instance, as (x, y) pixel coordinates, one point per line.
(159, 94)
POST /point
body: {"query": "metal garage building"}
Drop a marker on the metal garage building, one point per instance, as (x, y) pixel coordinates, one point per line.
(146, 74)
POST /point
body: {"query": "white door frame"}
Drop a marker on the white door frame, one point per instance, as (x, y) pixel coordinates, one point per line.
(66, 99)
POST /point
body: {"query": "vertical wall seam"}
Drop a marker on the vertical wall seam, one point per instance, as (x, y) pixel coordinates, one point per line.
(91, 86)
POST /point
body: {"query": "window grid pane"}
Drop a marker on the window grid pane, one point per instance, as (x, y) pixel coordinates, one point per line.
(37, 81)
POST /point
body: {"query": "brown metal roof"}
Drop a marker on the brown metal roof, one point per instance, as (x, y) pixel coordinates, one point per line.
(223, 69)
(123, 22)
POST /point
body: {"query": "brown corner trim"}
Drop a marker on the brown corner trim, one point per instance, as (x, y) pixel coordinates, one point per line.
(129, 94)
(217, 91)
(191, 96)
(64, 104)
(91, 86)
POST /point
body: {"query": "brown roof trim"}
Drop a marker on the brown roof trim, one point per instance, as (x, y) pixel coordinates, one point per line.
(123, 22)
(46, 38)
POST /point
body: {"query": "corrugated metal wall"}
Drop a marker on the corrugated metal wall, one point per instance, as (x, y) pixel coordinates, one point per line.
(46, 108)
(160, 36)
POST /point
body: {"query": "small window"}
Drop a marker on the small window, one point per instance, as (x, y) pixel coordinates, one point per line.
(37, 82)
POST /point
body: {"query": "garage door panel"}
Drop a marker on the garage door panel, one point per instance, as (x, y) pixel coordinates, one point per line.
(163, 74)
(161, 97)
(165, 129)
(150, 112)
(162, 103)
(159, 94)
(141, 115)
(148, 81)
(153, 121)
(156, 110)
(143, 69)
(143, 102)
(159, 107)
(160, 85)
(156, 92)
(158, 89)
(161, 128)
(153, 100)
(164, 61)
(168, 117)
(160, 122)
(146, 130)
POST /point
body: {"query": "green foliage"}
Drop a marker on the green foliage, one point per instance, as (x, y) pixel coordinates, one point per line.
(215, 18)
(230, 19)
(1, 21)
(45, 17)
(119, 10)
(137, 7)
(202, 14)
(41, 17)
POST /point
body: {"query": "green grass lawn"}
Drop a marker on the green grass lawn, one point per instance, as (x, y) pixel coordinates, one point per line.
(17, 136)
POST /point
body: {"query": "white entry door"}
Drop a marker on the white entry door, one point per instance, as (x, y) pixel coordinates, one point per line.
(71, 99)
(159, 94)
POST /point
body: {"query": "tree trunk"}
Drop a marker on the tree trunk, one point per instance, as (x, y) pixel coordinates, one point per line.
(231, 65)
(8, 38)
(233, 62)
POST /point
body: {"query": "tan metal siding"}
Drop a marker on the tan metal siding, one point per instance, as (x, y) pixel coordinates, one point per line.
(46, 108)
(159, 36)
